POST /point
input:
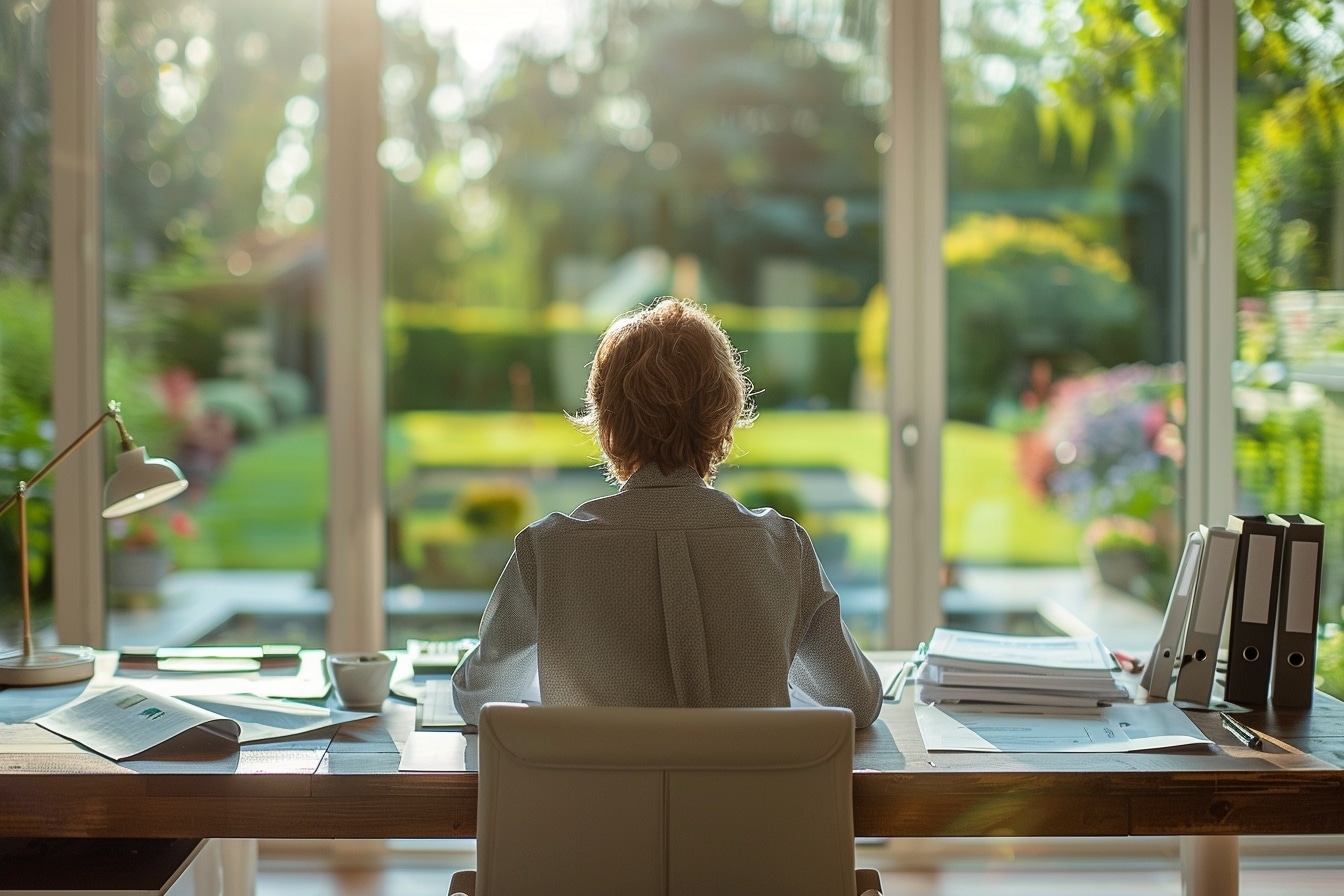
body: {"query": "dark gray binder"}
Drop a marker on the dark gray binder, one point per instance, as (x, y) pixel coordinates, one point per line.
(1208, 610)
(1255, 602)
(1294, 680)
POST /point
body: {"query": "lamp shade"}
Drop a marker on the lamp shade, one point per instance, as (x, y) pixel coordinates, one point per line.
(140, 482)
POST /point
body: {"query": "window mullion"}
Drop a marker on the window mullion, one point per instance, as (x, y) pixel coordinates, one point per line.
(914, 209)
(1210, 149)
(353, 330)
(77, 332)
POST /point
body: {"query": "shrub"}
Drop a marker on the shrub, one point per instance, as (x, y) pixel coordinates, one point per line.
(1023, 288)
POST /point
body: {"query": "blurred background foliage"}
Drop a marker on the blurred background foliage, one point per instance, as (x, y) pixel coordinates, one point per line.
(499, 182)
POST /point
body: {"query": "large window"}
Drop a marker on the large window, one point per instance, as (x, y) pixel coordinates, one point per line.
(543, 167)
(1063, 448)
(25, 302)
(1289, 371)
(552, 166)
(212, 164)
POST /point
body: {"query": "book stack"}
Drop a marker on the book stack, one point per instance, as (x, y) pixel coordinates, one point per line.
(976, 667)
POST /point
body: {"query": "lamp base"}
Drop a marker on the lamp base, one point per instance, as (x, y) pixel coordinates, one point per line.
(46, 665)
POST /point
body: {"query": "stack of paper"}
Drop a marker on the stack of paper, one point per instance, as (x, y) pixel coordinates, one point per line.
(975, 667)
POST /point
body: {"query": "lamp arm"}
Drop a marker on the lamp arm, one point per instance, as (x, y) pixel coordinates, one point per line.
(113, 412)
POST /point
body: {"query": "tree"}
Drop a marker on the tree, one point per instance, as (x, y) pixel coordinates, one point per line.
(1290, 123)
(692, 127)
(25, 204)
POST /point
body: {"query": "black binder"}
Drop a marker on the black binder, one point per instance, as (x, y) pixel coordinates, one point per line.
(1255, 602)
(1294, 680)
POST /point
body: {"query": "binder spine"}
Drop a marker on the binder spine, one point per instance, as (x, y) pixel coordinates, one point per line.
(1255, 599)
(1294, 680)
(1208, 608)
(1156, 679)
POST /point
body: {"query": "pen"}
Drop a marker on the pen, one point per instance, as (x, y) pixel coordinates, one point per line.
(921, 653)
(1128, 662)
(1247, 737)
(897, 686)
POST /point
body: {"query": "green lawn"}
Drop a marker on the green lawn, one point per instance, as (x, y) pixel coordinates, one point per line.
(989, 516)
(266, 510)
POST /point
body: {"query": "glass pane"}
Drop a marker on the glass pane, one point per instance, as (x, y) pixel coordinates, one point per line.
(213, 247)
(551, 166)
(1063, 445)
(1289, 374)
(25, 310)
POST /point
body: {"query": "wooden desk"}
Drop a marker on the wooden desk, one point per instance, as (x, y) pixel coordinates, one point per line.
(345, 784)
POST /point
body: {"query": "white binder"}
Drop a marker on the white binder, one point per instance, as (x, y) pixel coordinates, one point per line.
(1208, 610)
(1157, 674)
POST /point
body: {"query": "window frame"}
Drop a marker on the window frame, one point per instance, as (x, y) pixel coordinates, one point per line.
(914, 204)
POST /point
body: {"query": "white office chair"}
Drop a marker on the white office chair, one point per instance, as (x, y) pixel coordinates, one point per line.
(672, 802)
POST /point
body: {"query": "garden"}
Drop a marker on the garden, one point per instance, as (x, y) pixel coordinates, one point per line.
(521, 221)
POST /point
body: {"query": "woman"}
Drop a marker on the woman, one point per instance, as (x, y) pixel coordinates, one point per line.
(668, 592)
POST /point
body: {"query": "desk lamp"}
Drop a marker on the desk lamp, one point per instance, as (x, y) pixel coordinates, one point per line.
(139, 482)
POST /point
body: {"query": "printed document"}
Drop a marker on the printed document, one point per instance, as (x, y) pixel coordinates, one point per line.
(956, 649)
(1124, 727)
(127, 721)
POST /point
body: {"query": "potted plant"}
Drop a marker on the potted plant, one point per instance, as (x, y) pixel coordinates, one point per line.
(1109, 452)
(1126, 555)
(140, 553)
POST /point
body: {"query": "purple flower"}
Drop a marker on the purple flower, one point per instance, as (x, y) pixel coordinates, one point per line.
(1114, 437)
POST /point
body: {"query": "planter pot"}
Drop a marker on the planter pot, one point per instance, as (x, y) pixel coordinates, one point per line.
(1119, 567)
(138, 571)
(1129, 570)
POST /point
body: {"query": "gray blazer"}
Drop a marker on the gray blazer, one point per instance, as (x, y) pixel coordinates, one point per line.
(667, 593)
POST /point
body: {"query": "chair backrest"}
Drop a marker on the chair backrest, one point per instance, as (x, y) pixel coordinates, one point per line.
(590, 800)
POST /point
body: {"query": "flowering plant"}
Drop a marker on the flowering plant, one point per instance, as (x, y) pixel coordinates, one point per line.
(1111, 444)
(1115, 533)
(150, 529)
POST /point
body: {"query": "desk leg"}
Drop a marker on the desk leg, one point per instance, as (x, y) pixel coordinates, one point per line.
(206, 872)
(238, 861)
(1210, 866)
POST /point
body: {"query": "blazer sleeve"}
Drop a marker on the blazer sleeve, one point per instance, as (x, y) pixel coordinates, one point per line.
(504, 664)
(828, 667)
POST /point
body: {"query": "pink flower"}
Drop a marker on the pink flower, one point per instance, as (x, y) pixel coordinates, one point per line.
(182, 525)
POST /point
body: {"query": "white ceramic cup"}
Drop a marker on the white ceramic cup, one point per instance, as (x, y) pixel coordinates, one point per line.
(362, 680)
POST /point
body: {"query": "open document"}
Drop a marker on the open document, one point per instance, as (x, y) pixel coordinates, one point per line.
(125, 722)
(1122, 728)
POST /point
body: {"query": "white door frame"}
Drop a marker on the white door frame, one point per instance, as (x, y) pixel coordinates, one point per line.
(914, 207)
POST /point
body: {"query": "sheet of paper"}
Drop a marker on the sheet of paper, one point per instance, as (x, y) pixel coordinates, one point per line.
(1116, 686)
(1125, 727)
(435, 751)
(437, 710)
(32, 739)
(981, 650)
(127, 721)
(958, 696)
(262, 719)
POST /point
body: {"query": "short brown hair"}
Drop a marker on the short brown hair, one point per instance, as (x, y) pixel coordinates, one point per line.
(666, 387)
